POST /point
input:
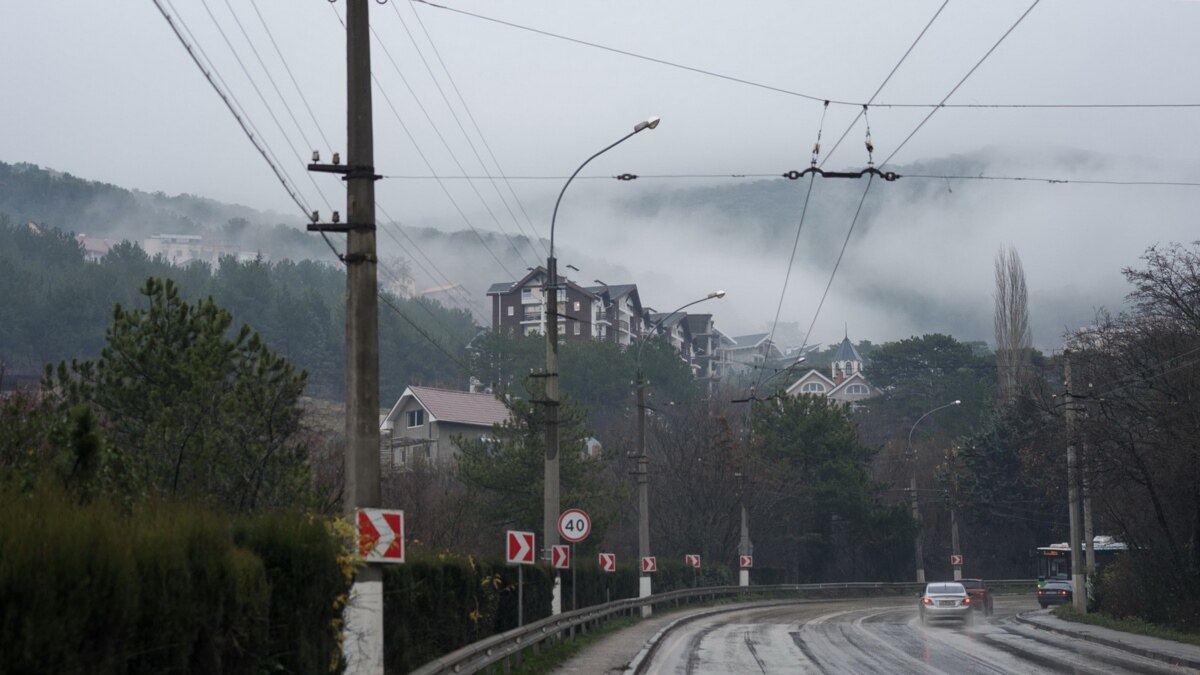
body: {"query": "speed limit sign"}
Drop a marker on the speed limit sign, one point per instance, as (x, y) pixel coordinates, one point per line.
(574, 525)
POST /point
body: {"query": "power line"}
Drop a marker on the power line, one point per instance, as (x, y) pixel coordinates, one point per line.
(463, 129)
(229, 99)
(446, 144)
(428, 164)
(790, 92)
(311, 115)
(762, 175)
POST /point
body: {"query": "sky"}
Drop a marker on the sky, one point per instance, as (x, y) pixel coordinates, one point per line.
(106, 91)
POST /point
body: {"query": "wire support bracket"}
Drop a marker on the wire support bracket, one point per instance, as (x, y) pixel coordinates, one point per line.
(885, 175)
(340, 227)
(347, 172)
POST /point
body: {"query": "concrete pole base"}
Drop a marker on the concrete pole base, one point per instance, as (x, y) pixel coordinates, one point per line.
(556, 598)
(362, 646)
(644, 590)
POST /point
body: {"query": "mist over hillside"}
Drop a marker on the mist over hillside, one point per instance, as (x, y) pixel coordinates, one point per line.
(918, 259)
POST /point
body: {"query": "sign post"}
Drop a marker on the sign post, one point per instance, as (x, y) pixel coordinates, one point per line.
(519, 550)
(608, 563)
(574, 525)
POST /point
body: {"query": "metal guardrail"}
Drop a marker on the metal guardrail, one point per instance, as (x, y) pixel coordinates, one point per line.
(502, 647)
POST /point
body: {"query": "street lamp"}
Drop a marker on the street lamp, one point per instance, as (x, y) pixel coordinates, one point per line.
(916, 511)
(550, 490)
(642, 478)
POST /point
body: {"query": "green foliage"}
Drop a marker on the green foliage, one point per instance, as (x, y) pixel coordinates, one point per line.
(296, 307)
(922, 373)
(190, 411)
(436, 604)
(597, 375)
(824, 506)
(508, 469)
(164, 588)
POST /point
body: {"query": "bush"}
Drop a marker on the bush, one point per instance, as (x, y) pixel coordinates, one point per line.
(90, 589)
(434, 604)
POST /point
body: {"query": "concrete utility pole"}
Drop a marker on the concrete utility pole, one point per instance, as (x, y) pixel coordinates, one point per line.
(363, 647)
(955, 547)
(643, 462)
(1074, 506)
(744, 545)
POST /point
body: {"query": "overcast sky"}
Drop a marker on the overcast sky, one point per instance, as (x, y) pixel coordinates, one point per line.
(105, 91)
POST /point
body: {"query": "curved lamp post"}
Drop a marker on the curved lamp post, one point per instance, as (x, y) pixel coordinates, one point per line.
(643, 481)
(916, 511)
(550, 490)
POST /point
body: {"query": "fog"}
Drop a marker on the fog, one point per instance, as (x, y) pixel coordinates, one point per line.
(107, 92)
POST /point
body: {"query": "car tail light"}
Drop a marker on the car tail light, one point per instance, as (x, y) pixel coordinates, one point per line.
(926, 601)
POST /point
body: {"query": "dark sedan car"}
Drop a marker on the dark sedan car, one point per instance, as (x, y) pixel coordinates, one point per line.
(1054, 592)
(981, 595)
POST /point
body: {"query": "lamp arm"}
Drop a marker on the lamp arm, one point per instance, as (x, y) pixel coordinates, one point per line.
(656, 324)
(554, 216)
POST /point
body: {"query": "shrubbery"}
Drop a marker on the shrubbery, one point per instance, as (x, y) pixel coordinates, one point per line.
(92, 589)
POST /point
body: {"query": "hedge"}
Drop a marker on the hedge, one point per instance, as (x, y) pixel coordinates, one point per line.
(165, 589)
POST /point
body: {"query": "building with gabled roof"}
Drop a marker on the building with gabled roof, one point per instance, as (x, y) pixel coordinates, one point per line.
(421, 424)
(519, 307)
(845, 383)
(750, 352)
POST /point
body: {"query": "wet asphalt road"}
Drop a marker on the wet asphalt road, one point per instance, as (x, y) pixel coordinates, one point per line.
(881, 636)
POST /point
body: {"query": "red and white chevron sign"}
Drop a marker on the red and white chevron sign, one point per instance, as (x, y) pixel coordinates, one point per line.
(560, 557)
(519, 550)
(649, 564)
(745, 561)
(691, 560)
(380, 535)
(608, 562)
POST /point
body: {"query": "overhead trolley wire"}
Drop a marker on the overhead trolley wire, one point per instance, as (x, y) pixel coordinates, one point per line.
(870, 149)
(955, 88)
(863, 111)
(812, 179)
(791, 92)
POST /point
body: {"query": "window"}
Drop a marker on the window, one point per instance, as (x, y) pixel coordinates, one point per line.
(510, 310)
(416, 418)
(856, 389)
(813, 387)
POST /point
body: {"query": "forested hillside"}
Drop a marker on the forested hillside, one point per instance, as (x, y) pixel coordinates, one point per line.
(54, 305)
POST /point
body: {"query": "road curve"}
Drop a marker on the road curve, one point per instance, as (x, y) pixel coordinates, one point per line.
(879, 636)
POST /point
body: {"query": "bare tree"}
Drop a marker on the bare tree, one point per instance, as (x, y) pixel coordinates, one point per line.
(1013, 336)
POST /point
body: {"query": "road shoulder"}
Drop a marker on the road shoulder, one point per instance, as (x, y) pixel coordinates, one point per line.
(1168, 651)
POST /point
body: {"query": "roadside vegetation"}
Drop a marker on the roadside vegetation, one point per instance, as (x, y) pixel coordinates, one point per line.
(178, 395)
